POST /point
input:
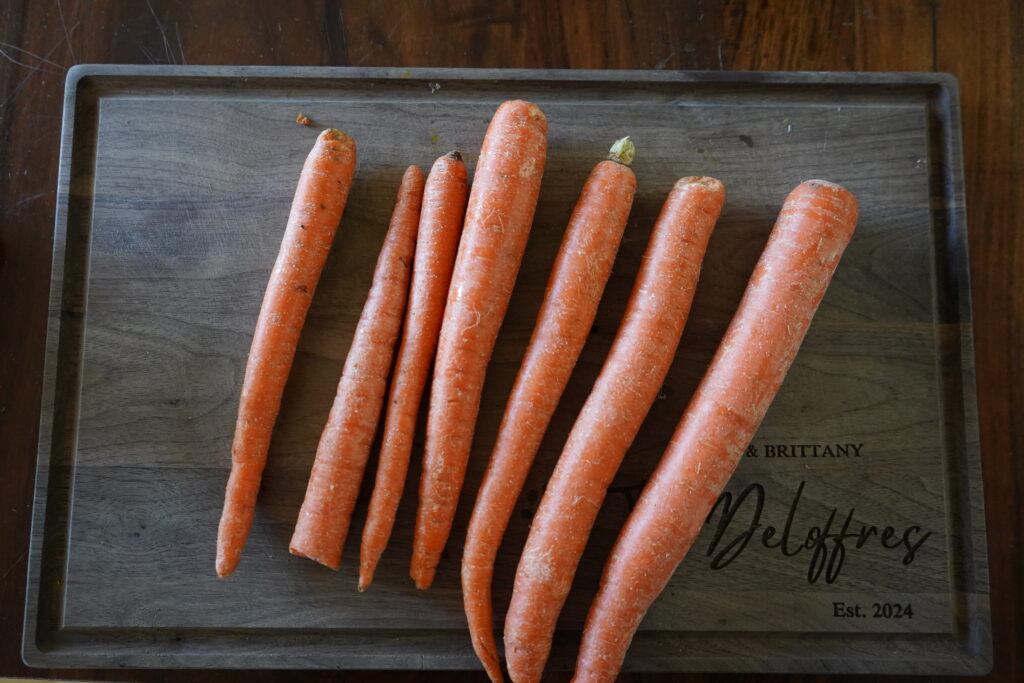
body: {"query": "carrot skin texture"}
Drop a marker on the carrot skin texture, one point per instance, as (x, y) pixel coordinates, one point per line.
(574, 290)
(345, 443)
(499, 215)
(627, 386)
(441, 216)
(316, 210)
(789, 281)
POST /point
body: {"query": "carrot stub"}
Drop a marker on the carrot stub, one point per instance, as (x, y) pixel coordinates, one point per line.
(499, 214)
(444, 206)
(316, 210)
(566, 315)
(345, 443)
(789, 281)
(627, 386)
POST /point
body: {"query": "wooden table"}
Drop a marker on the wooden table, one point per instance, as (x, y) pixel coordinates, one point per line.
(980, 43)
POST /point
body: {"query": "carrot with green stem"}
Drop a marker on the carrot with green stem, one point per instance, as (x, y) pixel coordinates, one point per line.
(345, 443)
(627, 386)
(789, 281)
(566, 315)
(315, 213)
(444, 206)
(499, 214)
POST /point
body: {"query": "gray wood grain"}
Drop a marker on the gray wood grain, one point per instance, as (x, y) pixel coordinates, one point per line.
(175, 186)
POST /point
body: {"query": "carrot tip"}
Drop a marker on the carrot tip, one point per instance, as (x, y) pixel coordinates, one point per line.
(623, 151)
(225, 567)
(454, 154)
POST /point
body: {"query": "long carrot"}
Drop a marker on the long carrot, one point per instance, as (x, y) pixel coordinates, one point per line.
(789, 281)
(444, 206)
(345, 443)
(574, 290)
(629, 382)
(316, 210)
(498, 218)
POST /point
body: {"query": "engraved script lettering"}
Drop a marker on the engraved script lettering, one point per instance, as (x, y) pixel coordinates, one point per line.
(741, 523)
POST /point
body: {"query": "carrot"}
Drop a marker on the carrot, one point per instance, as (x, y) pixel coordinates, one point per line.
(345, 443)
(498, 218)
(629, 382)
(316, 210)
(574, 290)
(789, 281)
(444, 206)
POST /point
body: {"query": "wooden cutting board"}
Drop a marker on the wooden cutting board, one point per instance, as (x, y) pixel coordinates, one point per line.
(174, 188)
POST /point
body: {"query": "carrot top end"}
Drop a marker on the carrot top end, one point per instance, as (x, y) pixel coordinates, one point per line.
(826, 183)
(713, 184)
(524, 108)
(836, 188)
(454, 154)
(335, 134)
(623, 151)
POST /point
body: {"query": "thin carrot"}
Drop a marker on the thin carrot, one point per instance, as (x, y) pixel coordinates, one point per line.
(629, 382)
(574, 290)
(316, 210)
(498, 218)
(444, 206)
(345, 443)
(789, 281)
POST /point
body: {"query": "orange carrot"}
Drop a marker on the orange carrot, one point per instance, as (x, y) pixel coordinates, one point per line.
(788, 283)
(498, 218)
(345, 443)
(629, 382)
(574, 290)
(316, 210)
(444, 206)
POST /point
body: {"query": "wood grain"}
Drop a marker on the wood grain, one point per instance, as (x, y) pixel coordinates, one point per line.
(986, 54)
(978, 42)
(177, 259)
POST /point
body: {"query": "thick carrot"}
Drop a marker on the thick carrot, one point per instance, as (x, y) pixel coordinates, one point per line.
(789, 281)
(444, 206)
(316, 210)
(629, 382)
(498, 218)
(574, 290)
(345, 443)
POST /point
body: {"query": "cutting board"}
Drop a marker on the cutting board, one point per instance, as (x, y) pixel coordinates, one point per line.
(174, 188)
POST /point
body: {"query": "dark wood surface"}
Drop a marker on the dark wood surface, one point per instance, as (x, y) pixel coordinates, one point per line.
(980, 43)
(139, 400)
